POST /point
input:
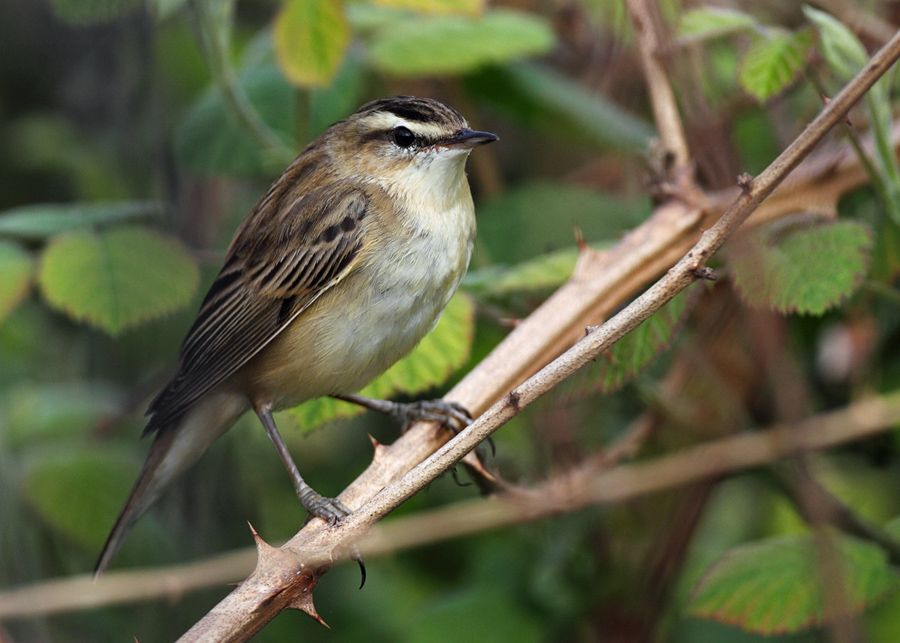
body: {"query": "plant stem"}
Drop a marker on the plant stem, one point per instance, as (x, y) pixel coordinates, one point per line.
(215, 18)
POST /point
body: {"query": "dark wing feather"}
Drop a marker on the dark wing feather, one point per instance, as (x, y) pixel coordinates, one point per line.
(274, 271)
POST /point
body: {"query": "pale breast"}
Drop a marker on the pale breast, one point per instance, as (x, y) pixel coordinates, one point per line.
(362, 326)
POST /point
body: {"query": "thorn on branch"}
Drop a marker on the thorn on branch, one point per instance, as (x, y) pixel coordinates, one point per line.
(745, 181)
(304, 603)
(264, 550)
(378, 447)
(579, 239)
(826, 100)
(706, 273)
(513, 399)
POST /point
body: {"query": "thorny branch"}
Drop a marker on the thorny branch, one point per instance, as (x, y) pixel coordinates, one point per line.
(285, 577)
(588, 484)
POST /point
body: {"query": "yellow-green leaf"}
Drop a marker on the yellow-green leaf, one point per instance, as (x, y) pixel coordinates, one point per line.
(311, 37)
(16, 268)
(117, 279)
(437, 45)
(443, 351)
(775, 586)
(465, 7)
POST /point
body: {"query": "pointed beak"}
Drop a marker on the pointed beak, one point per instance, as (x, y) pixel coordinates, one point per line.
(471, 138)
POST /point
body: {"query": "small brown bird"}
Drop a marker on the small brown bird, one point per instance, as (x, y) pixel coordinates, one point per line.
(340, 269)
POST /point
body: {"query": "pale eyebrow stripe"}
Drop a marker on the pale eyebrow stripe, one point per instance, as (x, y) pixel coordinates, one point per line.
(385, 121)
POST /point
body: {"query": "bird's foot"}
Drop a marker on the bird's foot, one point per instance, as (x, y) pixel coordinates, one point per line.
(449, 414)
(331, 510)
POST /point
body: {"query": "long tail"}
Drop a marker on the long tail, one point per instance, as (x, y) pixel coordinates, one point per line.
(174, 449)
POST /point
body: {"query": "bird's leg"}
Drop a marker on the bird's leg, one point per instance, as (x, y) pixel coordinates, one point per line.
(328, 509)
(449, 414)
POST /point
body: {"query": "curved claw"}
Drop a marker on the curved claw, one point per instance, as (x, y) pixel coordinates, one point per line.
(355, 555)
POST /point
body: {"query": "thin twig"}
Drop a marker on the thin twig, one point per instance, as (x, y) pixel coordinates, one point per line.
(852, 137)
(286, 576)
(647, 27)
(115, 588)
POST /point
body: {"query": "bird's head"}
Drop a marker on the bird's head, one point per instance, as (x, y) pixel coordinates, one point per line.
(407, 140)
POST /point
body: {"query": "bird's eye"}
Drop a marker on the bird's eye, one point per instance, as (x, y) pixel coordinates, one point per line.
(403, 137)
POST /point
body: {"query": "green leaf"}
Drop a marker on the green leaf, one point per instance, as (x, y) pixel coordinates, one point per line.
(466, 7)
(545, 100)
(16, 269)
(311, 37)
(805, 270)
(772, 63)
(704, 23)
(444, 350)
(87, 12)
(78, 492)
(117, 279)
(436, 45)
(634, 352)
(775, 586)
(534, 275)
(39, 221)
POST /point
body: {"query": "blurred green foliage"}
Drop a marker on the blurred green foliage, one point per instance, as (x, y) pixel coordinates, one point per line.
(137, 136)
